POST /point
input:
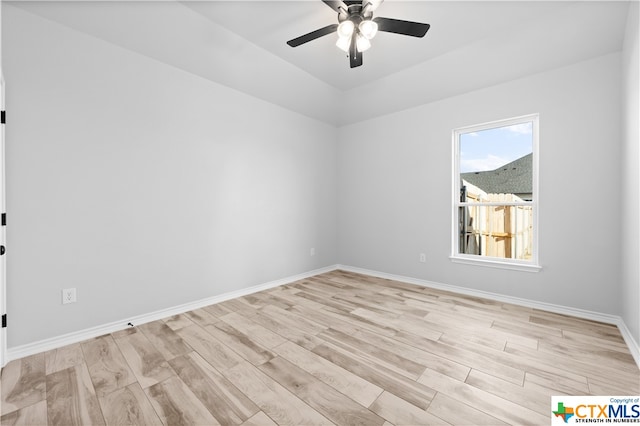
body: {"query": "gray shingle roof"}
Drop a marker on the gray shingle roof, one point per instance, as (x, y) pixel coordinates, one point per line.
(512, 178)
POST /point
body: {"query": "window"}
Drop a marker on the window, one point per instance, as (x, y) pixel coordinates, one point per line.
(495, 194)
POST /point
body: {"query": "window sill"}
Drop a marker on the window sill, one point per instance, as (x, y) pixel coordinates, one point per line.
(491, 263)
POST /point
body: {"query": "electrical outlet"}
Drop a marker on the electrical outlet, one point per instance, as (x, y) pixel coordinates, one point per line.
(312, 251)
(68, 295)
(423, 258)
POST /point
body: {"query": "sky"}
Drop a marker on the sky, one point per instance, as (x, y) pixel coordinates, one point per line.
(489, 149)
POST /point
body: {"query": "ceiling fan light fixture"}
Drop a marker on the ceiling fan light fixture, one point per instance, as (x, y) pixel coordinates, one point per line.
(362, 43)
(343, 43)
(346, 28)
(368, 29)
(356, 27)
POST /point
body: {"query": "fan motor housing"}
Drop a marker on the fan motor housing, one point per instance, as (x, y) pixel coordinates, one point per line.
(356, 13)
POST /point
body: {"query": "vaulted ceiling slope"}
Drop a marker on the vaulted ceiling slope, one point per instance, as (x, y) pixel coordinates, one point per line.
(241, 44)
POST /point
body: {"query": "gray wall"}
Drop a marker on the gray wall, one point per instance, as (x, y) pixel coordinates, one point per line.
(146, 187)
(630, 176)
(395, 187)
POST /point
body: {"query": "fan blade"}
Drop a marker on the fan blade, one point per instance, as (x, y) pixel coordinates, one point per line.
(313, 35)
(336, 5)
(355, 61)
(355, 57)
(398, 26)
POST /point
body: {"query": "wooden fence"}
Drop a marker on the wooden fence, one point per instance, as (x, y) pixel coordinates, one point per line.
(504, 231)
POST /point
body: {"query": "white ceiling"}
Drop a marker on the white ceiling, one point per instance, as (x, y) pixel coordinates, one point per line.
(242, 45)
(453, 25)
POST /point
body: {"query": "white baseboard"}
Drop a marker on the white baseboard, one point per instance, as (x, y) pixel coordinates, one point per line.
(78, 336)
(634, 348)
(89, 333)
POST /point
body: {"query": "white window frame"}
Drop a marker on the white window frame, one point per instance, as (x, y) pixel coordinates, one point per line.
(531, 265)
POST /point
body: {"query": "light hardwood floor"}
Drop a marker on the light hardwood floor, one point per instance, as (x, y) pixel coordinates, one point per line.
(338, 348)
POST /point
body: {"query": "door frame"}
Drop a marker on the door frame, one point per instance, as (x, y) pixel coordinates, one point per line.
(3, 268)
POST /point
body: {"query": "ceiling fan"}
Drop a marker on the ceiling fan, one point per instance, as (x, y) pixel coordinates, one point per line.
(356, 27)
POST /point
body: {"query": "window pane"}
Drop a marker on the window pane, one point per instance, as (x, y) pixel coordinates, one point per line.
(497, 164)
(497, 231)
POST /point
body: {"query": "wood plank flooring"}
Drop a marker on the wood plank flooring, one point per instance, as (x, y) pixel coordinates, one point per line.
(338, 348)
